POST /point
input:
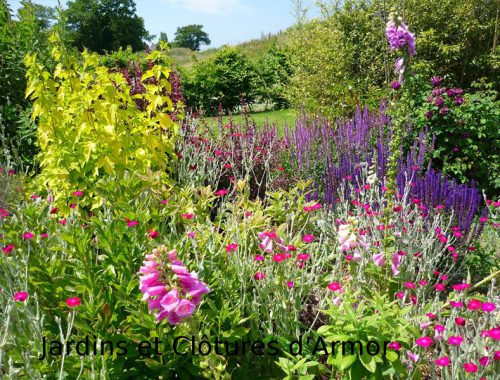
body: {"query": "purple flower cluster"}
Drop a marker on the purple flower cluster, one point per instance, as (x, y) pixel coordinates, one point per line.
(337, 153)
(399, 36)
(439, 94)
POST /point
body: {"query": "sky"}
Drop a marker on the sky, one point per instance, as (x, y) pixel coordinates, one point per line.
(226, 21)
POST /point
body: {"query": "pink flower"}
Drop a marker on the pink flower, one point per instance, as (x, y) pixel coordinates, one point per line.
(28, 236)
(153, 234)
(474, 304)
(484, 361)
(410, 285)
(455, 340)
(414, 357)
(185, 308)
(425, 341)
(443, 361)
(308, 238)
(493, 333)
(73, 301)
(231, 247)
(400, 295)
(191, 234)
(470, 367)
(488, 307)
(20, 296)
(456, 304)
(187, 216)
(396, 346)
(164, 201)
(8, 249)
(314, 207)
(378, 259)
(78, 193)
(440, 287)
(221, 192)
(63, 222)
(259, 276)
(132, 223)
(278, 257)
(258, 258)
(335, 287)
(396, 261)
(268, 237)
(303, 256)
(459, 321)
(460, 287)
(290, 284)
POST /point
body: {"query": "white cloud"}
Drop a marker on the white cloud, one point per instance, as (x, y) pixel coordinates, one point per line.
(212, 6)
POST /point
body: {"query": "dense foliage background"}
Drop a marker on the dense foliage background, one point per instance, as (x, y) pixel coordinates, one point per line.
(137, 205)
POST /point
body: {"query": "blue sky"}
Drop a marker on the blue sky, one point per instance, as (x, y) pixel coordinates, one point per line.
(225, 21)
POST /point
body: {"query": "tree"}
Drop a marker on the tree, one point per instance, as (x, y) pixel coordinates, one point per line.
(225, 79)
(106, 25)
(191, 37)
(163, 37)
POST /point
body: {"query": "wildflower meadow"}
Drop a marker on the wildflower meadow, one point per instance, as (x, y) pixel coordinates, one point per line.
(146, 233)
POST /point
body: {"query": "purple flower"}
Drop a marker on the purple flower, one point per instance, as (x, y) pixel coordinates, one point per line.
(444, 110)
(396, 85)
(439, 102)
(436, 81)
(459, 100)
(399, 36)
(429, 114)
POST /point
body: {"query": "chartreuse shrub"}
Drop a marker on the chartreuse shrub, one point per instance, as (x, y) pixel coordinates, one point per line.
(90, 126)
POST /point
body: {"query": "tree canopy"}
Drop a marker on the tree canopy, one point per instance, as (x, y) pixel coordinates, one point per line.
(106, 25)
(191, 37)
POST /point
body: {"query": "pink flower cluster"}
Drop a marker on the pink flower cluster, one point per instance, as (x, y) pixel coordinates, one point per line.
(350, 238)
(399, 36)
(168, 287)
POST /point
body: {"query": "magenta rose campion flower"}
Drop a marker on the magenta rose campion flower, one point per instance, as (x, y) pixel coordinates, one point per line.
(443, 361)
(73, 301)
(20, 296)
(425, 341)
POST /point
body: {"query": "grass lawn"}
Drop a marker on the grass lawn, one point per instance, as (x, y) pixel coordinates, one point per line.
(279, 117)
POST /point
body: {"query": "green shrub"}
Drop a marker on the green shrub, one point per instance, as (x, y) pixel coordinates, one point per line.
(225, 79)
(90, 125)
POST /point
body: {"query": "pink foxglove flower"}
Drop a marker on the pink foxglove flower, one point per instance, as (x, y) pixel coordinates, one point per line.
(172, 292)
(378, 259)
(414, 357)
(396, 261)
(268, 238)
